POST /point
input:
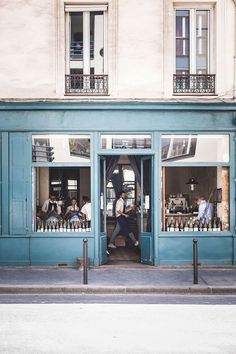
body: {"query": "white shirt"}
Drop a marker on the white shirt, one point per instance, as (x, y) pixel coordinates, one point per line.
(86, 209)
(120, 206)
(205, 211)
(72, 208)
(46, 205)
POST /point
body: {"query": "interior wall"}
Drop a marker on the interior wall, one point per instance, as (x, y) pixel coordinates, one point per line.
(44, 184)
(84, 183)
(176, 178)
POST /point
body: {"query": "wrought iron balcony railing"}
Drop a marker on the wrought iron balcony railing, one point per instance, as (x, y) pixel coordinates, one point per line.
(194, 84)
(78, 84)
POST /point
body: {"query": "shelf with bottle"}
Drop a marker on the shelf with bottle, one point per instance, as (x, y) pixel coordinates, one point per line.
(192, 224)
(63, 226)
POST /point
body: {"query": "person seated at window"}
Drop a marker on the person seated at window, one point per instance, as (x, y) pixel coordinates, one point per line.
(72, 210)
(51, 208)
(86, 208)
(205, 209)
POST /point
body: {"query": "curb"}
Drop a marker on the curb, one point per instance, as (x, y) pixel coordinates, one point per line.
(87, 289)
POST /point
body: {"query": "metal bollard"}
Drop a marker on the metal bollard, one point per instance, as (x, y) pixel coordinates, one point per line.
(85, 261)
(195, 262)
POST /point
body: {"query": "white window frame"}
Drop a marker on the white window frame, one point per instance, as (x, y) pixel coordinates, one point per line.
(85, 9)
(192, 35)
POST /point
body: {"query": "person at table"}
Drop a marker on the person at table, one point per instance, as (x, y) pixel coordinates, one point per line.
(50, 207)
(72, 210)
(86, 208)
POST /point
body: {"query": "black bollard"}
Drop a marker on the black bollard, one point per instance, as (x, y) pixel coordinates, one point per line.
(85, 261)
(195, 262)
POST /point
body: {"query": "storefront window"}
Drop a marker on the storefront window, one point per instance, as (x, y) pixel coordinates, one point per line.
(195, 148)
(60, 148)
(62, 199)
(195, 199)
(126, 141)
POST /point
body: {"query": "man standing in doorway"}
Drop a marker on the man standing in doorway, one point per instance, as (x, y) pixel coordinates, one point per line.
(122, 226)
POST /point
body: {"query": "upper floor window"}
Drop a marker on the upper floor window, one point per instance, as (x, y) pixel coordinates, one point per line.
(86, 52)
(193, 74)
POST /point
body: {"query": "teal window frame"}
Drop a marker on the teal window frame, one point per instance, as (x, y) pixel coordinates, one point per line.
(63, 165)
(231, 166)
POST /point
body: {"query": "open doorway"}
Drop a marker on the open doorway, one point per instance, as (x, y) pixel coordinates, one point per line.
(131, 174)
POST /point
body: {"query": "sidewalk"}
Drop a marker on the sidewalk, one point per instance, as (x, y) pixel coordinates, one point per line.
(150, 280)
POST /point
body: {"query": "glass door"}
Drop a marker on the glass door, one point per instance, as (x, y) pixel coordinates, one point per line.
(103, 231)
(147, 210)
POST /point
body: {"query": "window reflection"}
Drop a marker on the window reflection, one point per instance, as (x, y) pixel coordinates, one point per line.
(60, 148)
(126, 141)
(195, 148)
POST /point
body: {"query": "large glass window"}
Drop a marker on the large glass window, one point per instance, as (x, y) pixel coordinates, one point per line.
(126, 141)
(86, 72)
(195, 198)
(192, 41)
(62, 199)
(195, 148)
(60, 148)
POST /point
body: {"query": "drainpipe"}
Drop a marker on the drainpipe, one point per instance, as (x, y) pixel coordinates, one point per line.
(234, 86)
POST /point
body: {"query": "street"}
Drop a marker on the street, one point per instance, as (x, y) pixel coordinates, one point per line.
(116, 299)
(117, 328)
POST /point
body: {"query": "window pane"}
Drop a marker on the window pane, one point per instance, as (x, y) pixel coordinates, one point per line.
(202, 30)
(96, 43)
(62, 199)
(195, 199)
(126, 141)
(76, 43)
(182, 42)
(195, 148)
(60, 148)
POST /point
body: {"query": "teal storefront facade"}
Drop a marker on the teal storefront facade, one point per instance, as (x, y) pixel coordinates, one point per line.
(21, 244)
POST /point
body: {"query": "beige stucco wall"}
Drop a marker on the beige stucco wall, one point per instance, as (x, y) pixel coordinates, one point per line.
(140, 48)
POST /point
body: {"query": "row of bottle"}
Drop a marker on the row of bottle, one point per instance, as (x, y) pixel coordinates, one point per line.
(66, 226)
(179, 225)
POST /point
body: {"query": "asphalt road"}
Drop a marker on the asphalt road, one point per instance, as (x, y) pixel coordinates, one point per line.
(117, 329)
(116, 299)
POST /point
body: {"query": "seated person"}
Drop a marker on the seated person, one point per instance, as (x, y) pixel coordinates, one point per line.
(72, 210)
(86, 208)
(205, 210)
(51, 208)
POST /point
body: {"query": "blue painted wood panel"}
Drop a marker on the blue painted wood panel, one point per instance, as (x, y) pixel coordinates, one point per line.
(19, 184)
(54, 251)
(123, 117)
(14, 251)
(211, 250)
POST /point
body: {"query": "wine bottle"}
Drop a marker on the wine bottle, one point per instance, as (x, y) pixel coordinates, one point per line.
(171, 226)
(195, 225)
(181, 226)
(186, 226)
(214, 225)
(219, 228)
(176, 226)
(205, 226)
(210, 226)
(191, 224)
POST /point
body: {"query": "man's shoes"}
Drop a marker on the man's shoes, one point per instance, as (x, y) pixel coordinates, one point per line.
(111, 245)
(136, 243)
